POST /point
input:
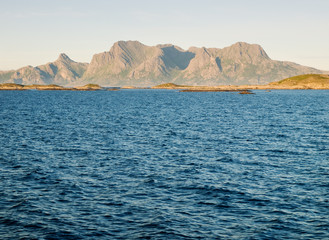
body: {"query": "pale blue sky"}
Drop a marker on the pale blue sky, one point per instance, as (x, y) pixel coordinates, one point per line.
(35, 32)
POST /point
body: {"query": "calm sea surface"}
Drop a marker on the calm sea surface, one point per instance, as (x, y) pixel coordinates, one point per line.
(157, 164)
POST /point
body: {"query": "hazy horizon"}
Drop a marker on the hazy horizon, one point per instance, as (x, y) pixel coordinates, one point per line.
(36, 32)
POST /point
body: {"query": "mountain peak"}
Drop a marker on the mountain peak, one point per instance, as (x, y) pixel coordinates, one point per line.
(241, 44)
(246, 46)
(63, 57)
(240, 49)
(125, 44)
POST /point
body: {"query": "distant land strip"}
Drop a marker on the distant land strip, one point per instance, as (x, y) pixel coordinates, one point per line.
(307, 81)
(88, 87)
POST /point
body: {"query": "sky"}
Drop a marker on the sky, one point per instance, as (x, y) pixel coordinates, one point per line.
(34, 32)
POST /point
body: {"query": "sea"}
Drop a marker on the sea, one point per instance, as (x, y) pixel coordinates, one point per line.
(164, 164)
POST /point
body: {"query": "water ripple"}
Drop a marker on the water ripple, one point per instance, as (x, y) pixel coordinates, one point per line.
(153, 164)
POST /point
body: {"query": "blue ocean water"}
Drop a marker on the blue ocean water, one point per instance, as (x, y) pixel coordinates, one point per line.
(160, 164)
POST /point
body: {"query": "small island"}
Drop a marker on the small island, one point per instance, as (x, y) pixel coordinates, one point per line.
(89, 87)
(307, 81)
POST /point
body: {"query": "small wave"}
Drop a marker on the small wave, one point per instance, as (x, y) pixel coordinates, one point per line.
(9, 222)
(21, 203)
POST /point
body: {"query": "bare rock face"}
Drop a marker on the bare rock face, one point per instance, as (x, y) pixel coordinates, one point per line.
(29, 75)
(204, 65)
(125, 63)
(133, 63)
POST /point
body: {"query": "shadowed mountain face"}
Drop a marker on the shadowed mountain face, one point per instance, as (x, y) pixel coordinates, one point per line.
(133, 63)
(176, 58)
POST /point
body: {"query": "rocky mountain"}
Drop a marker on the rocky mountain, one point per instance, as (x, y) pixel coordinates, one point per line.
(63, 71)
(133, 63)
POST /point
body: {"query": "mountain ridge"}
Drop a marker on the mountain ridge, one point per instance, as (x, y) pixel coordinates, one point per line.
(133, 63)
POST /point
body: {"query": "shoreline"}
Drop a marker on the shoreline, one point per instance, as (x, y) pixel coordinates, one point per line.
(52, 87)
(244, 89)
(181, 89)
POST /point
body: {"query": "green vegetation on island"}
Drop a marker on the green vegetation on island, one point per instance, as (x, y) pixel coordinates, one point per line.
(307, 81)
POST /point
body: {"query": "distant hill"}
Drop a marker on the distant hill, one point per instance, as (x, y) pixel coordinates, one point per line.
(63, 71)
(313, 81)
(133, 63)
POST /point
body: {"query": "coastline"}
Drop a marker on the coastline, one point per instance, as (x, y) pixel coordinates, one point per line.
(222, 88)
(300, 82)
(19, 87)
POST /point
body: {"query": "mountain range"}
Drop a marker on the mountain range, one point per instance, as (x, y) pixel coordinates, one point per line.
(133, 63)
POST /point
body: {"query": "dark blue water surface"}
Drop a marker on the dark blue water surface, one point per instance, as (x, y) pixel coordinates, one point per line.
(157, 164)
